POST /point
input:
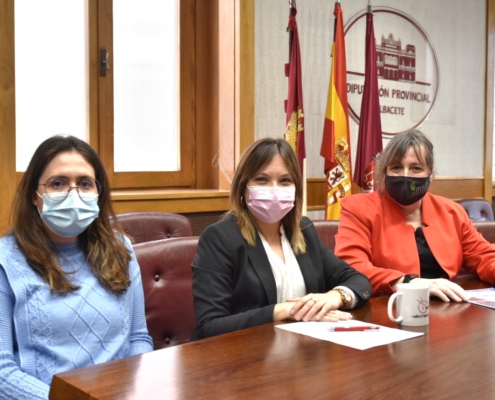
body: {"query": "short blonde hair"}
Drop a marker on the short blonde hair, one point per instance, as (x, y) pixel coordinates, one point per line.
(396, 149)
(255, 158)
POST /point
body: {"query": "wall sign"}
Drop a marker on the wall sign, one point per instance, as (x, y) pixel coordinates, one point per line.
(408, 73)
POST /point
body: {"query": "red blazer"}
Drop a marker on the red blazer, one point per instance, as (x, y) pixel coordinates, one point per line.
(373, 238)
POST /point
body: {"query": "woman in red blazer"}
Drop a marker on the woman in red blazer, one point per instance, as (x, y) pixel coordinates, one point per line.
(401, 233)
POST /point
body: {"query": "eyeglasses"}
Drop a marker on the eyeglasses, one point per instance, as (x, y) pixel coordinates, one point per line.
(57, 189)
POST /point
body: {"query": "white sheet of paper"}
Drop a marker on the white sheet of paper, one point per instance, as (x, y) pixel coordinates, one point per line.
(361, 340)
(482, 297)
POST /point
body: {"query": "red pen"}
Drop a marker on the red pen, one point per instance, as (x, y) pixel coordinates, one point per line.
(353, 328)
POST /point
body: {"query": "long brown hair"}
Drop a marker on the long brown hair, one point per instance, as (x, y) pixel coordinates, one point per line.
(106, 253)
(396, 149)
(255, 158)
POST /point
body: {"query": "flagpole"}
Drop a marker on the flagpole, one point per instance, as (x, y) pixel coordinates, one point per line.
(305, 191)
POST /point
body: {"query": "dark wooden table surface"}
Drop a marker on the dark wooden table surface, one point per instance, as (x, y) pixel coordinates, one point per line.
(454, 359)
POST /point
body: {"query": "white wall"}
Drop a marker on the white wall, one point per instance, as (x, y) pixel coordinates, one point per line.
(493, 157)
(457, 30)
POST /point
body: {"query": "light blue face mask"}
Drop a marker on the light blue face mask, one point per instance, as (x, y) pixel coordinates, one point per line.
(71, 216)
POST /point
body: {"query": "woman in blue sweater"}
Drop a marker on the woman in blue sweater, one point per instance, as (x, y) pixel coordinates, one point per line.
(70, 286)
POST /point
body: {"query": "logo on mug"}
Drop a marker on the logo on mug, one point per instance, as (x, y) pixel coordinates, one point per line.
(422, 308)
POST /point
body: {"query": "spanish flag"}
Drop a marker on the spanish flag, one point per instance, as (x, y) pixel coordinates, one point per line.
(336, 145)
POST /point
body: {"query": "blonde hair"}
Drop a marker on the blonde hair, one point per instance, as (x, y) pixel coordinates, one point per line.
(255, 158)
(396, 149)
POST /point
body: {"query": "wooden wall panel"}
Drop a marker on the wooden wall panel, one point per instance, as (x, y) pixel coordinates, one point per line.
(207, 78)
(244, 76)
(186, 201)
(187, 95)
(93, 73)
(226, 92)
(224, 88)
(450, 187)
(489, 98)
(104, 86)
(7, 112)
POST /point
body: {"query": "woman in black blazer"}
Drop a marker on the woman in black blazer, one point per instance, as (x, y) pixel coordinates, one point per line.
(264, 262)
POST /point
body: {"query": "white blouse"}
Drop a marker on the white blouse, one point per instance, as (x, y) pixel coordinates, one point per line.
(288, 276)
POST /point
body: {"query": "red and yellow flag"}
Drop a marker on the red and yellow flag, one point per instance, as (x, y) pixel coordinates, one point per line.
(294, 132)
(336, 145)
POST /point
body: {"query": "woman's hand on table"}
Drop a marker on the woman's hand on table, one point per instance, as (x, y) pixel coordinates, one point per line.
(318, 307)
(443, 289)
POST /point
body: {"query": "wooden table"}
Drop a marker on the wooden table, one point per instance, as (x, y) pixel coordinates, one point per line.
(454, 359)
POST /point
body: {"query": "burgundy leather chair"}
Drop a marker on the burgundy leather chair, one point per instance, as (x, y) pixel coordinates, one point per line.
(487, 230)
(326, 231)
(167, 282)
(149, 226)
(477, 209)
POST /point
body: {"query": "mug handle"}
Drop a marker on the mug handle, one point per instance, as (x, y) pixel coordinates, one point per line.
(389, 308)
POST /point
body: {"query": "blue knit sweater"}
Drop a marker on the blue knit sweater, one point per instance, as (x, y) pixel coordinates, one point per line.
(42, 334)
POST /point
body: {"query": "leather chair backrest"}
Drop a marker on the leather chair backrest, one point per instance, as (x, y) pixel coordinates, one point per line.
(477, 209)
(487, 229)
(167, 282)
(149, 226)
(327, 229)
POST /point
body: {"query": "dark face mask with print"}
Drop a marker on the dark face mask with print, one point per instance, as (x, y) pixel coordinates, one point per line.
(405, 190)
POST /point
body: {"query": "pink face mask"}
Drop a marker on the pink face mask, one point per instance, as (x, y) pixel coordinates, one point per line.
(271, 203)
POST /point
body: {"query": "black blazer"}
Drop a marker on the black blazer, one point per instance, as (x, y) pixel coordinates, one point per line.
(233, 284)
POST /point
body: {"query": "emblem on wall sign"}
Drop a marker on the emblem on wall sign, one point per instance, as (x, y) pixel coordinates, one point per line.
(408, 74)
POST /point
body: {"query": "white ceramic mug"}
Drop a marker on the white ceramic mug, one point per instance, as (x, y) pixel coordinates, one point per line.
(413, 304)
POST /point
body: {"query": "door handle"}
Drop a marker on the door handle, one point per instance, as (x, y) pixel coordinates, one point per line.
(104, 64)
